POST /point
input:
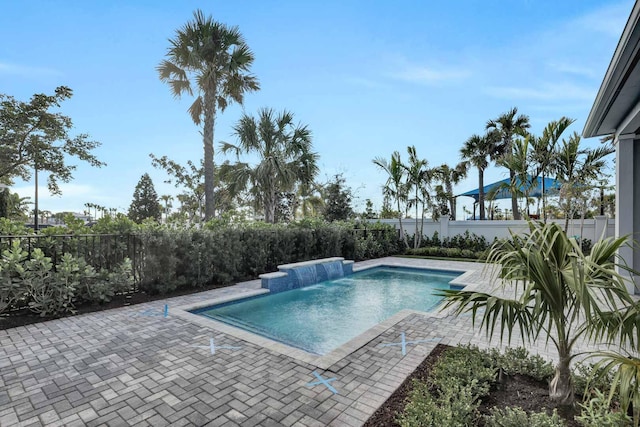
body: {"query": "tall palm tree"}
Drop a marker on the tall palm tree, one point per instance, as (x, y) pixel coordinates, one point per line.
(166, 199)
(212, 60)
(418, 180)
(285, 157)
(476, 151)
(395, 187)
(576, 170)
(509, 125)
(449, 177)
(543, 150)
(558, 287)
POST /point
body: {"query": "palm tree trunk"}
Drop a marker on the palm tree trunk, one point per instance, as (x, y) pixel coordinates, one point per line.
(481, 193)
(404, 236)
(561, 386)
(416, 239)
(514, 196)
(544, 205)
(452, 202)
(207, 139)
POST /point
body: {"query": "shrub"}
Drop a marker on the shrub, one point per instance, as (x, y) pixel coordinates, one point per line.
(51, 293)
(12, 274)
(597, 413)
(467, 366)
(453, 406)
(519, 361)
(516, 417)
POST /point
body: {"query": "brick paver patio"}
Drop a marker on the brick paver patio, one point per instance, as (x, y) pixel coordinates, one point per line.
(133, 366)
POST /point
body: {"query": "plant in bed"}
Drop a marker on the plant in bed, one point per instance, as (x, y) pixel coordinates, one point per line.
(558, 287)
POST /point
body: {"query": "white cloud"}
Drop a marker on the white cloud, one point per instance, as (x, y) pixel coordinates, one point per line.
(573, 69)
(9, 68)
(429, 74)
(544, 92)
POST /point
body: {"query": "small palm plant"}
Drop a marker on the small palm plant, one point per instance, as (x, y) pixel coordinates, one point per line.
(559, 292)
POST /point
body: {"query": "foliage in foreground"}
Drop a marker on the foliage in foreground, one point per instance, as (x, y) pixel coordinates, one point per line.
(53, 289)
(558, 286)
(464, 375)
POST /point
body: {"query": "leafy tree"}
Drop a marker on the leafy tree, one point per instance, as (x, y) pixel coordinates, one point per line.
(285, 157)
(448, 177)
(213, 60)
(477, 151)
(509, 125)
(190, 179)
(337, 206)
(145, 202)
(32, 137)
(387, 211)
(285, 207)
(558, 288)
(4, 202)
(395, 187)
(368, 210)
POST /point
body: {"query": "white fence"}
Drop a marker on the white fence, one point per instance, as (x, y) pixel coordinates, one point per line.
(591, 229)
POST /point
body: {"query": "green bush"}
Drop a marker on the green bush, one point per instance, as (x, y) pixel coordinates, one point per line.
(519, 361)
(516, 417)
(467, 366)
(597, 413)
(12, 274)
(586, 379)
(453, 406)
(51, 292)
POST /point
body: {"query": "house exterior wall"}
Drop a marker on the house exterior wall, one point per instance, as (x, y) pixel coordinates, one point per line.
(628, 198)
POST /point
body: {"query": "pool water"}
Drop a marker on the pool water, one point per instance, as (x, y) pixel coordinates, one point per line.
(322, 317)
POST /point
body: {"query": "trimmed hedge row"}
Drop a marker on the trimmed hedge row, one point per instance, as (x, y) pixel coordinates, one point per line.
(196, 258)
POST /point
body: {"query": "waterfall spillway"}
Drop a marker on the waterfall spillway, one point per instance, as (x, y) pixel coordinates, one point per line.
(306, 275)
(333, 270)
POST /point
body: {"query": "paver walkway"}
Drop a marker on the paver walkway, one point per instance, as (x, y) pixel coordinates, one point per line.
(133, 366)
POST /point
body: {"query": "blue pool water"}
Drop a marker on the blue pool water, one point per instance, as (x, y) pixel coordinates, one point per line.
(321, 317)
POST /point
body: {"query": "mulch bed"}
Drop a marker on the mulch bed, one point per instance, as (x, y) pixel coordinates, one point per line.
(26, 317)
(524, 392)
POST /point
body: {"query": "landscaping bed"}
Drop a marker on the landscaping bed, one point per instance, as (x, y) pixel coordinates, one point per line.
(406, 406)
(25, 316)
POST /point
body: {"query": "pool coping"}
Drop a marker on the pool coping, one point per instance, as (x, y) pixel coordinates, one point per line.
(327, 360)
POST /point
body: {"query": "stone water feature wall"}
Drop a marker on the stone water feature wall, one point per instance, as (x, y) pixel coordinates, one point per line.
(301, 274)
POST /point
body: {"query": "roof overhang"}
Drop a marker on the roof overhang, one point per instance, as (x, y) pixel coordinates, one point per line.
(617, 105)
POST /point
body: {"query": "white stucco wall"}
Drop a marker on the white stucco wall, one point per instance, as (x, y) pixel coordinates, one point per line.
(591, 229)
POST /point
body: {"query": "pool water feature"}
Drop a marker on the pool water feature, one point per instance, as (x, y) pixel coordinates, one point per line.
(321, 317)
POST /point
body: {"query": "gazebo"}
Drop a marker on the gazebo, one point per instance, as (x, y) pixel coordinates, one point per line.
(502, 189)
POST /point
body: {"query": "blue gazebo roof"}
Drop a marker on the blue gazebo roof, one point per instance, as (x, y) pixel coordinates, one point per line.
(501, 190)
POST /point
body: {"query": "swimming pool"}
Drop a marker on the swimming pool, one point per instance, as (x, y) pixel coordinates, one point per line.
(322, 317)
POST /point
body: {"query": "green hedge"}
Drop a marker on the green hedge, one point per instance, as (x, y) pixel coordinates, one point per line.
(164, 259)
(174, 259)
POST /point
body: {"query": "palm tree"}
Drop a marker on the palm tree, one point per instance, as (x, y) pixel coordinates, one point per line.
(543, 151)
(558, 287)
(576, 169)
(212, 60)
(449, 177)
(395, 187)
(285, 157)
(167, 204)
(476, 151)
(311, 199)
(508, 125)
(418, 180)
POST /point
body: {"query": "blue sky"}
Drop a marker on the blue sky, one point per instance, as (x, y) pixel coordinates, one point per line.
(368, 77)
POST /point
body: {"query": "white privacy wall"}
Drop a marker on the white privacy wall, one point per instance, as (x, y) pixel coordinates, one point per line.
(591, 229)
